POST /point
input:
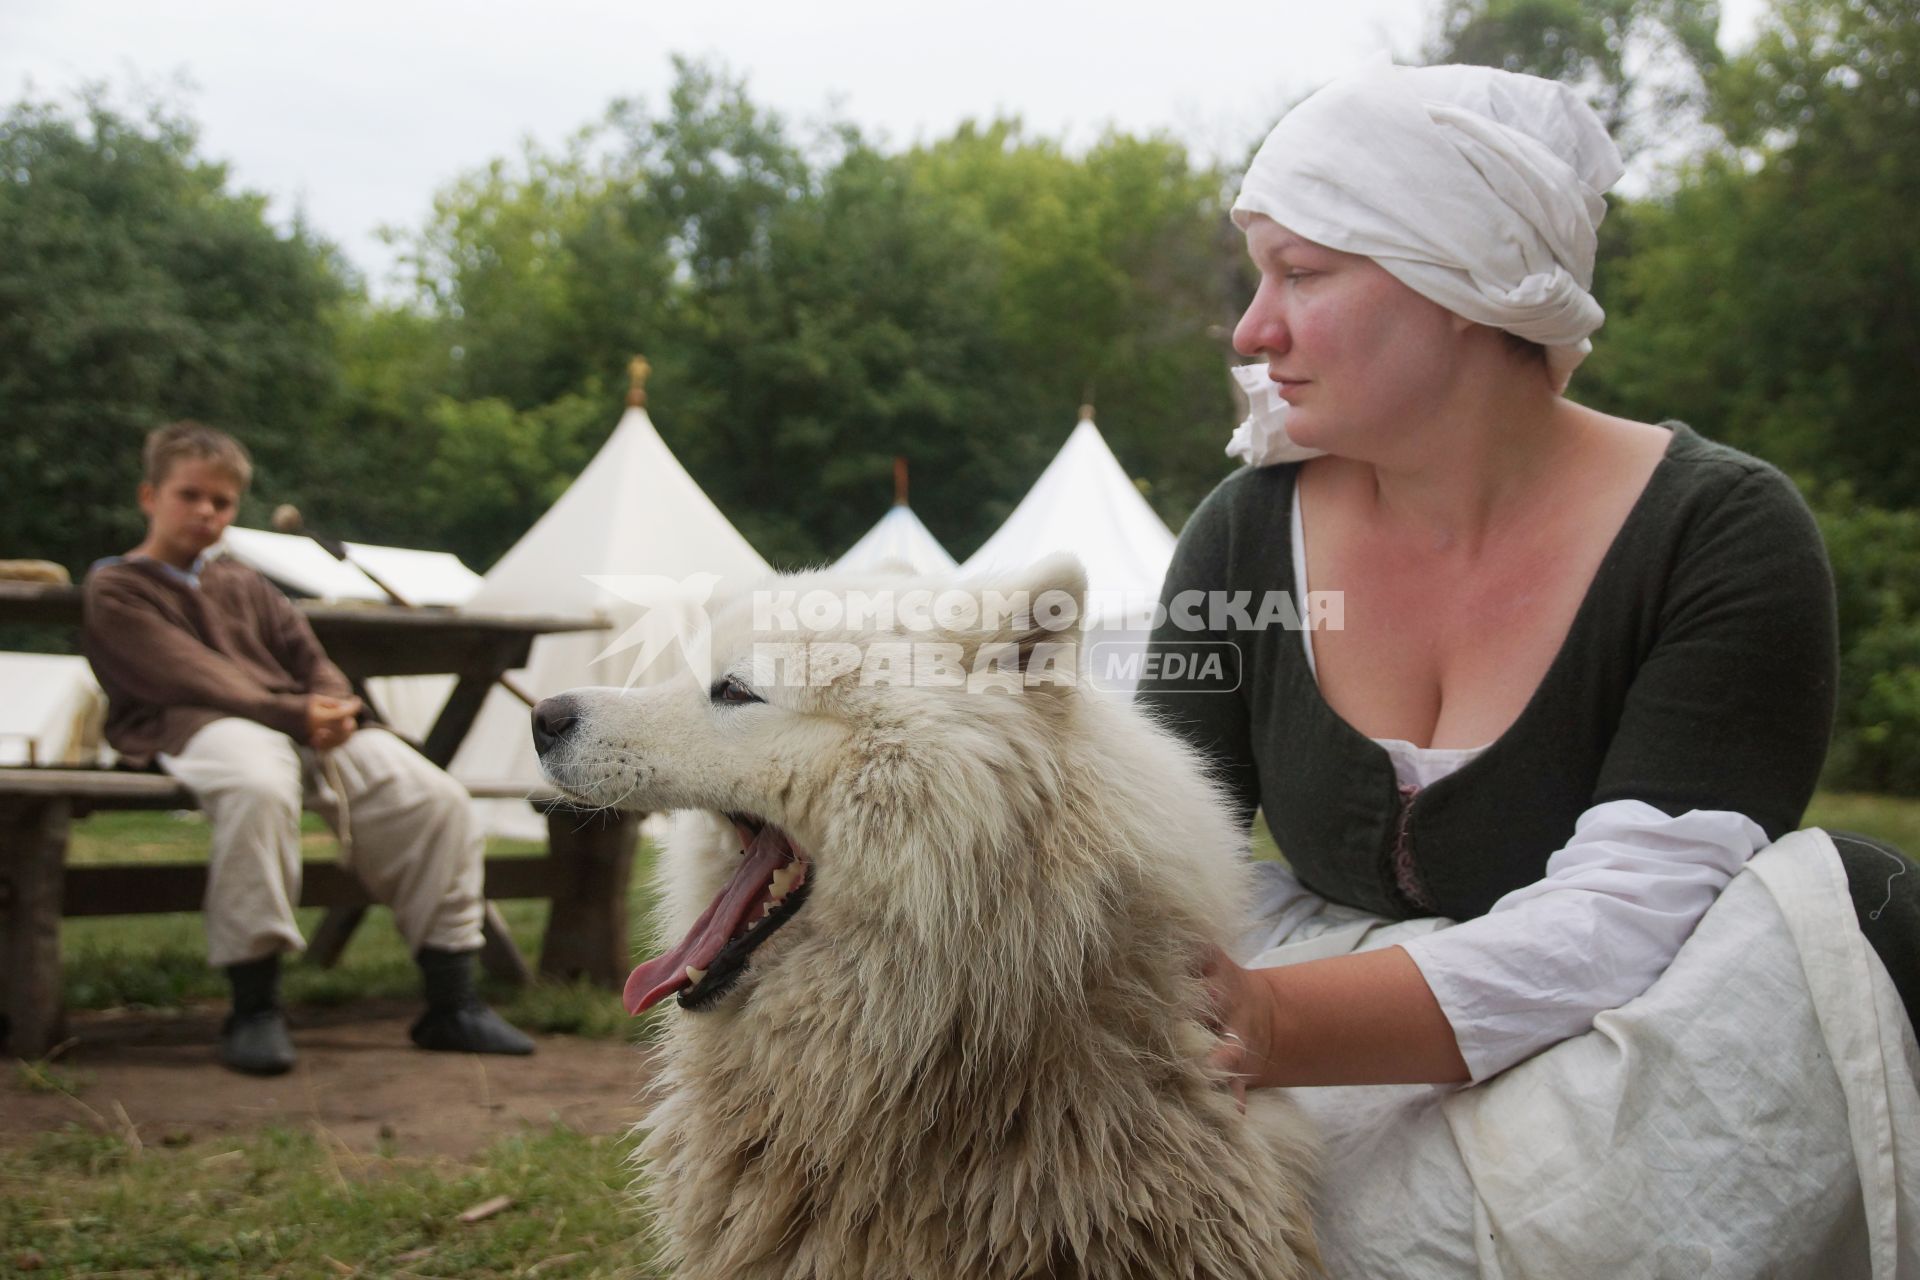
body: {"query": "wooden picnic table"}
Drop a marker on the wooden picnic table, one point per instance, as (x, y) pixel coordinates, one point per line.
(585, 870)
(373, 640)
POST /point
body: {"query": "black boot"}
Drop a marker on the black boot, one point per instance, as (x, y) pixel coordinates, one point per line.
(456, 1021)
(254, 1037)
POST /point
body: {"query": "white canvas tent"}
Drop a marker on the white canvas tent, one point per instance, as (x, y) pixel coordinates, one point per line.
(899, 539)
(632, 539)
(428, 578)
(1084, 503)
(51, 710)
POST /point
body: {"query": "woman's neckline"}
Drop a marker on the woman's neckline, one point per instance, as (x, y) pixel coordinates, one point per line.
(1680, 433)
(1298, 538)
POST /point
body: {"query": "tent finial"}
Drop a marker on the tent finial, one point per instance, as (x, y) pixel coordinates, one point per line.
(899, 482)
(637, 371)
(1086, 413)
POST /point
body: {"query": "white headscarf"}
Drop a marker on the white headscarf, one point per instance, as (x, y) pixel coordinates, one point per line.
(1476, 188)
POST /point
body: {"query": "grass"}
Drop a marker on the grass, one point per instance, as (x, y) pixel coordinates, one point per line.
(286, 1202)
(1894, 819)
(291, 1202)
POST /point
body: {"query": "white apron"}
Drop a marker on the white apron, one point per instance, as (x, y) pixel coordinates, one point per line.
(1754, 1113)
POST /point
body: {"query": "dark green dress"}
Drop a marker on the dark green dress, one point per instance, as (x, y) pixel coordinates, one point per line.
(1699, 673)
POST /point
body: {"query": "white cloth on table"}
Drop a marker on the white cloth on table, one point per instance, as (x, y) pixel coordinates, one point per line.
(1754, 1113)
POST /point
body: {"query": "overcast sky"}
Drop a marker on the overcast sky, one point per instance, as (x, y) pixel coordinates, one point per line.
(356, 111)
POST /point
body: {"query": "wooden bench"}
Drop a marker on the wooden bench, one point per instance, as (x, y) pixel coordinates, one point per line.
(584, 872)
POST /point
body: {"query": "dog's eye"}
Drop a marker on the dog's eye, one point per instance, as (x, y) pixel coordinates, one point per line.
(728, 691)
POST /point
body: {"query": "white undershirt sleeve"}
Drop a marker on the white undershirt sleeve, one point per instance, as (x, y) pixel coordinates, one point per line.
(1606, 920)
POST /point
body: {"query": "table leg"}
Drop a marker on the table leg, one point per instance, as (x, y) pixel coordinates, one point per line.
(457, 715)
(498, 954)
(587, 931)
(331, 936)
(33, 851)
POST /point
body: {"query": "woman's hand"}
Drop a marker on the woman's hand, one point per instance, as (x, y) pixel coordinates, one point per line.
(1365, 1018)
(1241, 1011)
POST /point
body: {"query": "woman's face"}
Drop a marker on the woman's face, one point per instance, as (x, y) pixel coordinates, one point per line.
(1356, 354)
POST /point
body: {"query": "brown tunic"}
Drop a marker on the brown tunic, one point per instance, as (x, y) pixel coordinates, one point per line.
(173, 657)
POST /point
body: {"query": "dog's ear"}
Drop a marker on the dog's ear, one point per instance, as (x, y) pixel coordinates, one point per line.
(1059, 574)
(1028, 636)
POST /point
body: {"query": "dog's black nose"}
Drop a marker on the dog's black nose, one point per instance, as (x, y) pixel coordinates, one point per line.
(552, 719)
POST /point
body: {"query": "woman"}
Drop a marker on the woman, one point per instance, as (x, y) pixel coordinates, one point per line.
(1585, 672)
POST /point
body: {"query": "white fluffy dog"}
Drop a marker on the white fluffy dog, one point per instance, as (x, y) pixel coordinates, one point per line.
(935, 939)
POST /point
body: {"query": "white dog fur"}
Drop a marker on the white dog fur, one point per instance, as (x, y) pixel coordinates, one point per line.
(978, 1049)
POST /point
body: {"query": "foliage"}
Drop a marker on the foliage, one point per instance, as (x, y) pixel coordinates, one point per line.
(532, 269)
(136, 288)
(860, 329)
(1120, 283)
(1773, 300)
(493, 466)
(810, 308)
(1876, 558)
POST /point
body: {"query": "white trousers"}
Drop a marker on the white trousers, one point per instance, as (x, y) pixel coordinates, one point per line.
(409, 835)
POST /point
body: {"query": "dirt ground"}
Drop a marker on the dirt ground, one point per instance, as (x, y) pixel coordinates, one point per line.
(358, 1077)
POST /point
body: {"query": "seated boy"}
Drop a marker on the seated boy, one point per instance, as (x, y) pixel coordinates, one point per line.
(212, 673)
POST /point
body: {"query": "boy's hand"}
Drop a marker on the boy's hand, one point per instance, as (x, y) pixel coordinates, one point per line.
(330, 721)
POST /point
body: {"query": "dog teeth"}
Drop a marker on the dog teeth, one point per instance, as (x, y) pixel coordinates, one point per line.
(694, 975)
(783, 881)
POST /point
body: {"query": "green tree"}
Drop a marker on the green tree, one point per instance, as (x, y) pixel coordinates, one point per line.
(1773, 299)
(1120, 281)
(863, 329)
(811, 309)
(367, 461)
(543, 271)
(136, 287)
(1876, 561)
(493, 470)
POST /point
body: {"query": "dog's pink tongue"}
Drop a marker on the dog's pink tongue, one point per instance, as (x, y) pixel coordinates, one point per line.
(663, 975)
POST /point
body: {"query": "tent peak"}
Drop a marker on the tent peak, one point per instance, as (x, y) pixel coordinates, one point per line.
(637, 371)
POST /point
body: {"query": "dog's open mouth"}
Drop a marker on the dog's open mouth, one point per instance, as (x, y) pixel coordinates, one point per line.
(770, 886)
